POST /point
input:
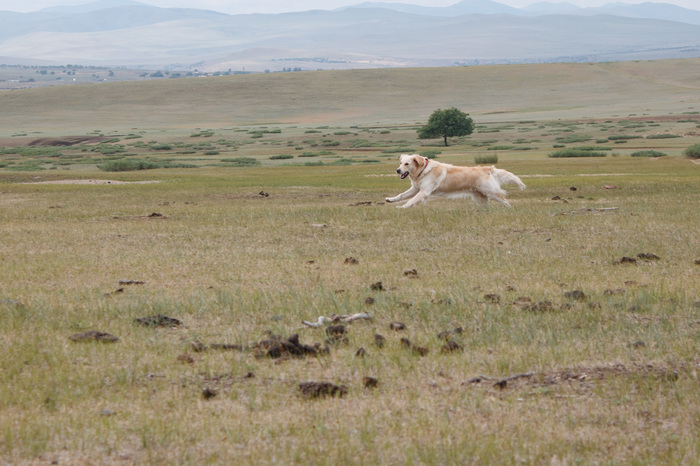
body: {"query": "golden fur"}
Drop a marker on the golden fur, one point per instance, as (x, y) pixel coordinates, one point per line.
(430, 178)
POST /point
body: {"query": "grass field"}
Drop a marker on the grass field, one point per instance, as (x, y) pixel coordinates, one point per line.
(579, 308)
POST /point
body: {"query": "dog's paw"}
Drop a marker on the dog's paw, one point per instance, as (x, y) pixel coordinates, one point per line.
(389, 199)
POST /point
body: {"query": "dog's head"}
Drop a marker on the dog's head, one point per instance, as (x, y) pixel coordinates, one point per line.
(410, 164)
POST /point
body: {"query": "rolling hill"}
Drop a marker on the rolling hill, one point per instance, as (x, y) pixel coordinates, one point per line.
(116, 33)
(361, 97)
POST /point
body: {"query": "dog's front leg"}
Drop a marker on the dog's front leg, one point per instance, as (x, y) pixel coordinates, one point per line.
(412, 191)
(422, 196)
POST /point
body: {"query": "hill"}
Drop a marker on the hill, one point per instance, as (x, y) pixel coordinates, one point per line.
(138, 35)
(361, 97)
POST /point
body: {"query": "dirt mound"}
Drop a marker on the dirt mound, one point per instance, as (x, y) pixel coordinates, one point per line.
(67, 141)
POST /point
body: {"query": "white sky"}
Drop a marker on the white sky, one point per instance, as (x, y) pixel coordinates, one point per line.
(277, 6)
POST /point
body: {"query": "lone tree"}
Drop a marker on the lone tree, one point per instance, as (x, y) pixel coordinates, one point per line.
(446, 124)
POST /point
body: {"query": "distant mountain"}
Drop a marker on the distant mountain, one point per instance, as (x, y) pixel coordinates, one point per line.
(87, 19)
(548, 8)
(87, 7)
(127, 33)
(662, 11)
(465, 7)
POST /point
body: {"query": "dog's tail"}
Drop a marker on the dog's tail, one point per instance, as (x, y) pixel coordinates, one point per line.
(506, 177)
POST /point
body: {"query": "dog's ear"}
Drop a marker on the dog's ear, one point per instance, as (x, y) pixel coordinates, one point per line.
(417, 160)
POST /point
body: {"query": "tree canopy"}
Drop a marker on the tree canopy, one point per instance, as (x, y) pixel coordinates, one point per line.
(446, 124)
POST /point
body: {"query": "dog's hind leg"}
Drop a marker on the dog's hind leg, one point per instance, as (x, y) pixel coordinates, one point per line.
(479, 198)
(500, 198)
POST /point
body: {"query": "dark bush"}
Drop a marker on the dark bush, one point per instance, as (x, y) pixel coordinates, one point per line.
(647, 153)
(692, 151)
(431, 153)
(161, 147)
(127, 165)
(572, 152)
(241, 162)
(486, 159)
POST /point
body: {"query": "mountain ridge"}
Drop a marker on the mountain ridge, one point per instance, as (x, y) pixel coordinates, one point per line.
(130, 33)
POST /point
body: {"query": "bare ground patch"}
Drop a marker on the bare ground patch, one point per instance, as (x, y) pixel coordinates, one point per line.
(579, 379)
(52, 141)
(92, 181)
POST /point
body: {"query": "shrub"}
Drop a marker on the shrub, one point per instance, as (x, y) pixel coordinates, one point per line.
(25, 168)
(357, 143)
(647, 153)
(400, 150)
(125, 165)
(281, 157)
(431, 153)
(342, 162)
(572, 139)
(693, 151)
(161, 147)
(32, 151)
(204, 134)
(501, 148)
(490, 159)
(176, 165)
(572, 152)
(241, 162)
(211, 152)
(663, 136)
(106, 149)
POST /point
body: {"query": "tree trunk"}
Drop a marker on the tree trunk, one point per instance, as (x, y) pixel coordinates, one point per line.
(445, 140)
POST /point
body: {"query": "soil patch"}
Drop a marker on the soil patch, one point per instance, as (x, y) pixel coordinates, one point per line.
(92, 181)
(577, 378)
(51, 141)
(67, 141)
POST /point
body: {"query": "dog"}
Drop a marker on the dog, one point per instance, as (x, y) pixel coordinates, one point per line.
(430, 178)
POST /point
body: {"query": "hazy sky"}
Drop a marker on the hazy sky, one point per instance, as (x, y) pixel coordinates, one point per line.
(277, 6)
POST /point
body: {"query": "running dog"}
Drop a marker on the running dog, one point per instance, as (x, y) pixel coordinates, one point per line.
(430, 178)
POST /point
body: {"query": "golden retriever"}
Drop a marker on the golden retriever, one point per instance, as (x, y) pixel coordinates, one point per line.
(430, 178)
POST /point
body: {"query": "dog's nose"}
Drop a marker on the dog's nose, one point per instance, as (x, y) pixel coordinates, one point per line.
(398, 170)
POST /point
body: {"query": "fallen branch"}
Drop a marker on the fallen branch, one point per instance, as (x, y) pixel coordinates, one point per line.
(500, 383)
(504, 382)
(322, 320)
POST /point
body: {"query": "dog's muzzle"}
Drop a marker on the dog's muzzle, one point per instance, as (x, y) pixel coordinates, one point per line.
(403, 175)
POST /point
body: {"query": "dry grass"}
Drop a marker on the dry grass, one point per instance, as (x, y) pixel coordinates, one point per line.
(609, 379)
(362, 97)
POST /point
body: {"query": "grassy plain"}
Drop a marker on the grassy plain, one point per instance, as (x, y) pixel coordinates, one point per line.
(242, 244)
